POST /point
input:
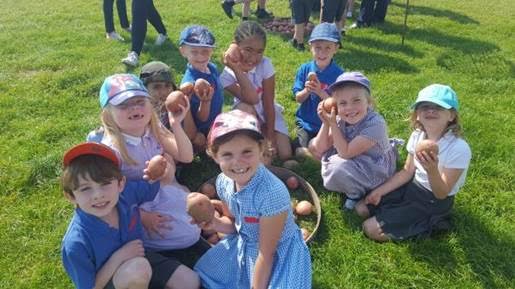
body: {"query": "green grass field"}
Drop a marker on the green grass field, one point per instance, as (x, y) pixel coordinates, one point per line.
(54, 57)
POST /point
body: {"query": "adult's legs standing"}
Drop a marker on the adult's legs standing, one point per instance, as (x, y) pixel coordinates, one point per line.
(154, 18)
(366, 12)
(139, 24)
(122, 13)
(380, 11)
(108, 15)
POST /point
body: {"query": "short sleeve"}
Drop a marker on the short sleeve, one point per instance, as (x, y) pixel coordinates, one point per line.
(221, 184)
(413, 141)
(268, 68)
(138, 192)
(375, 129)
(459, 155)
(79, 265)
(274, 198)
(300, 79)
(227, 77)
(188, 77)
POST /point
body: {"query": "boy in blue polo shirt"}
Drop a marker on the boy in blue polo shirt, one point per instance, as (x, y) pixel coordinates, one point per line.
(196, 44)
(103, 247)
(324, 42)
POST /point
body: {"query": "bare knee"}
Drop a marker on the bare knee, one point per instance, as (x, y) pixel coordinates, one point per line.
(373, 230)
(133, 273)
(362, 209)
(283, 146)
(183, 278)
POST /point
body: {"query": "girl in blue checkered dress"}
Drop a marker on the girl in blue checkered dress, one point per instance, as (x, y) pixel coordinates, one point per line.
(264, 247)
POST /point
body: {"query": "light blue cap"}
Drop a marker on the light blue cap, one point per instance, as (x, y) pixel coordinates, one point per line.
(439, 94)
(118, 88)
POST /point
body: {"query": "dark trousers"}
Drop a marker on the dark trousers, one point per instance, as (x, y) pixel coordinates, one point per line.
(143, 10)
(372, 11)
(108, 14)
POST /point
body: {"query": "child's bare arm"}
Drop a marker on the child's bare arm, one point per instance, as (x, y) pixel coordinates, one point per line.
(270, 230)
(269, 107)
(442, 181)
(223, 224)
(128, 251)
(398, 179)
(323, 140)
(205, 104)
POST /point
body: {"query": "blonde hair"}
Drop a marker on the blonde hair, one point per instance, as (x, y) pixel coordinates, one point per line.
(113, 131)
(453, 126)
(345, 85)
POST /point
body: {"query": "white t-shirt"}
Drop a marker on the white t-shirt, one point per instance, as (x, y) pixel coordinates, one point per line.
(262, 71)
(453, 153)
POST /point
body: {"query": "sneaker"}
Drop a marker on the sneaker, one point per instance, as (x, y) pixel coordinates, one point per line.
(350, 204)
(349, 14)
(161, 38)
(227, 7)
(114, 36)
(128, 29)
(263, 14)
(131, 59)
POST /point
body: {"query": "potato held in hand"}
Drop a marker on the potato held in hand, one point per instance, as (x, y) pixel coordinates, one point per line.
(199, 207)
(329, 103)
(156, 167)
(312, 76)
(173, 101)
(427, 145)
(202, 87)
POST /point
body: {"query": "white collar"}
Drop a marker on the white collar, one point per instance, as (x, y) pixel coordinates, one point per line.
(134, 140)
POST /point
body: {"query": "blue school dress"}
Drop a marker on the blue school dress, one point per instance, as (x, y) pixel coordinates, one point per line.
(230, 264)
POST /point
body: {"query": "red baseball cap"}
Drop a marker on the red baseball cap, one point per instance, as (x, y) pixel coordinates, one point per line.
(90, 148)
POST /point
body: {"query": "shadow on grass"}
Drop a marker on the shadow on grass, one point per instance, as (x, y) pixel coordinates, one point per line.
(437, 38)
(357, 59)
(382, 45)
(429, 11)
(489, 256)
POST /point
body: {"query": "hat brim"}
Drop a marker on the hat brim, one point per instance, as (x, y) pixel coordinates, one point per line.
(90, 148)
(213, 138)
(341, 82)
(197, 44)
(325, 38)
(120, 98)
(435, 101)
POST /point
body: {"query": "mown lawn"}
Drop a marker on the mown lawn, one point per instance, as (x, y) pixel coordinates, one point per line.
(54, 57)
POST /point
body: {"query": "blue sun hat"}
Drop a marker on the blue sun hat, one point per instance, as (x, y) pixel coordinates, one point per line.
(439, 94)
(325, 31)
(351, 77)
(197, 35)
(118, 88)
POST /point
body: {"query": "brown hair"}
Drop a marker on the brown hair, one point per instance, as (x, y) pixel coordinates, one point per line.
(453, 126)
(212, 149)
(94, 167)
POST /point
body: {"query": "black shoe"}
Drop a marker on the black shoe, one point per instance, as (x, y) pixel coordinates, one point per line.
(244, 18)
(227, 7)
(296, 45)
(263, 14)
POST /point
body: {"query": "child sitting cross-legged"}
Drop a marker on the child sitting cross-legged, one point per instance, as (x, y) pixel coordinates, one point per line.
(103, 245)
(353, 142)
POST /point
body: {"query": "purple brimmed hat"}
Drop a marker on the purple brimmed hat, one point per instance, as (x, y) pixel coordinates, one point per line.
(354, 77)
(120, 87)
(231, 121)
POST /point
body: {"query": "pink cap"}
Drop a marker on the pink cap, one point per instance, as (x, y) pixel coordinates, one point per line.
(231, 121)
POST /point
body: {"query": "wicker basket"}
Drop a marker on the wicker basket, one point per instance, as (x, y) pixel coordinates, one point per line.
(311, 195)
